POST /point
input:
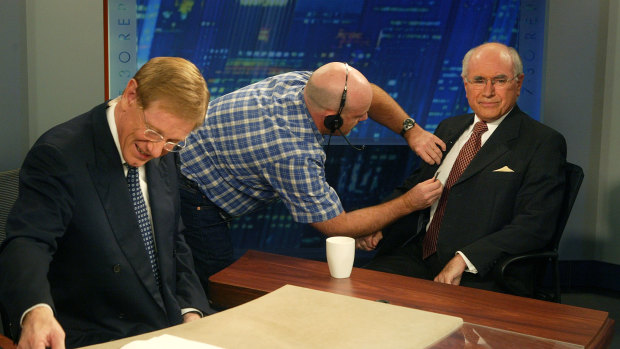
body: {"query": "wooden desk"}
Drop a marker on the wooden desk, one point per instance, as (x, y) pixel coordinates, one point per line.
(257, 273)
(6, 343)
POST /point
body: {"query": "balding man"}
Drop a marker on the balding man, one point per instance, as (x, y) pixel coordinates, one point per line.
(504, 183)
(265, 142)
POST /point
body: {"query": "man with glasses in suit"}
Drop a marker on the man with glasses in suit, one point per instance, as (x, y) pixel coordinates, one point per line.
(93, 250)
(503, 176)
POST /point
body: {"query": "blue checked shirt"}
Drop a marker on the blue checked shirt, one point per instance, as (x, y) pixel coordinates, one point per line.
(258, 144)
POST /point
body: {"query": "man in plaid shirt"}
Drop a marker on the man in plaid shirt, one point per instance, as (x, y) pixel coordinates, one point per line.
(265, 142)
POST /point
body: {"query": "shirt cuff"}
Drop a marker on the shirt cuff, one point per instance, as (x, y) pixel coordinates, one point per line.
(470, 267)
(21, 319)
(191, 310)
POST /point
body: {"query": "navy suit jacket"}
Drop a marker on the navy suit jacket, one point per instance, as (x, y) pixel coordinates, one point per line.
(73, 239)
(490, 213)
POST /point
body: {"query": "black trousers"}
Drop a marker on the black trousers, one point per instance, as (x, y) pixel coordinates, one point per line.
(408, 261)
(206, 231)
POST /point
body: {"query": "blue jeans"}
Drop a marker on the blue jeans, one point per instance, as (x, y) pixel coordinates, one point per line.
(207, 231)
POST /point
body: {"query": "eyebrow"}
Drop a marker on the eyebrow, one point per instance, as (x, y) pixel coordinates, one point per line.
(173, 140)
(494, 77)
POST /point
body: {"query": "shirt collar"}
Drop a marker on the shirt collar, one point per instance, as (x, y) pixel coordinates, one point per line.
(491, 125)
(112, 125)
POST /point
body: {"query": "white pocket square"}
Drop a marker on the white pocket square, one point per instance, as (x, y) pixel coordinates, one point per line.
(504, 169)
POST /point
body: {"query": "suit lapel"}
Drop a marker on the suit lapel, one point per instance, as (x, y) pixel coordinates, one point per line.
(109, 180)
(495, 146)
(162, 211)
(449, 133)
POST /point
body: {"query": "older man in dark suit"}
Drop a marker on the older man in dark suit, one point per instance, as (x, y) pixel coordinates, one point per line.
(503, 176)
(93, 249)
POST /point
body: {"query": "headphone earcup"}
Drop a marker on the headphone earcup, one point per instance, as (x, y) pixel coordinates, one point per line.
(333, 122)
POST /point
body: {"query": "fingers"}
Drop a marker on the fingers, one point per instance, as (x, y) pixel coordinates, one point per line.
(369, 242)
(58, 340)
(439, 143)
(452, 272)
(434, 152)
(428, 146)
(435, 149)
(360, 244)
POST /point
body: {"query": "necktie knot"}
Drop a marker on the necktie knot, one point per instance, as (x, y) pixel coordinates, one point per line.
(480, 127)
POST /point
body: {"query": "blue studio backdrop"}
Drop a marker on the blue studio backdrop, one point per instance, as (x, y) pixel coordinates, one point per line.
(411, 48)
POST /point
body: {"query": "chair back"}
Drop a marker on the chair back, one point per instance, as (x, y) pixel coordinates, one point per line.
(530, 268)
(9, 188)
(574, 178)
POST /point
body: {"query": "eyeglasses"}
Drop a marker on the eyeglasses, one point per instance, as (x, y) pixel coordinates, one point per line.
(156, 137)
(479, 82)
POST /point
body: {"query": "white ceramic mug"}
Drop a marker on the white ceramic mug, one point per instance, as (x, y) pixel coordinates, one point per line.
(340, 255)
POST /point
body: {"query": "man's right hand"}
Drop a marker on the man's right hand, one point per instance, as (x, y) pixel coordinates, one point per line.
(40, 330)
(423, 194)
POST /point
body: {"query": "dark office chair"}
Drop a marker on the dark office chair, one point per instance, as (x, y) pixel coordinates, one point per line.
(9, 184)
(539, 260)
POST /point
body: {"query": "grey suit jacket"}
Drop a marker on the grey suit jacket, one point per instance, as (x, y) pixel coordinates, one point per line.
(489, 213)
(73, 239)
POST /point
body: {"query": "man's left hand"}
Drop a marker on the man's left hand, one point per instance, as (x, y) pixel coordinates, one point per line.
(428, 146)
(368, 242)
(452, 272)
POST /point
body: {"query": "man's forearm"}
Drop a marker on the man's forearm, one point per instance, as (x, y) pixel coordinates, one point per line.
(364, 221)
(385, 110)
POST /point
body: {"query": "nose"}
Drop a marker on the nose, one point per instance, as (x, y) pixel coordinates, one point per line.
(489, 88)
(156, 149)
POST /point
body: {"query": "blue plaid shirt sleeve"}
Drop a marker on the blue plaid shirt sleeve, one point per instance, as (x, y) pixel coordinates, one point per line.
(300, 182)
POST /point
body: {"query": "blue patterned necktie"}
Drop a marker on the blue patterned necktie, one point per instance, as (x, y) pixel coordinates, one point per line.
(133, 182)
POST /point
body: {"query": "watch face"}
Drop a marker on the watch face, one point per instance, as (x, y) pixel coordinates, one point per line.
(407, 125)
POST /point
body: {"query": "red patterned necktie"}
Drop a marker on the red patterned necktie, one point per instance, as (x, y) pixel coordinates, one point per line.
(469, 150)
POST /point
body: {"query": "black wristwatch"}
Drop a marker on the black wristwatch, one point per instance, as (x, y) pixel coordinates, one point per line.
(407, 125)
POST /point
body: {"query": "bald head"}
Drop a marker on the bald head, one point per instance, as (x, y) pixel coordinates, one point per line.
(323, 93)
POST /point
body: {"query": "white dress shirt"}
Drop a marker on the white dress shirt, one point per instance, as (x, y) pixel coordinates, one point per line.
(447, 163)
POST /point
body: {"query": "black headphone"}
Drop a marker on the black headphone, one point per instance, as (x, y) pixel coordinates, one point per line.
(334, 122)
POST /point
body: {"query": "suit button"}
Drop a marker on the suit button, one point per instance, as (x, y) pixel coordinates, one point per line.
(121, 315)
(116, 268)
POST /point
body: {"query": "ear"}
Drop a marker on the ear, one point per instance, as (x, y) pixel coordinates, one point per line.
(519, 84)
(130, 94)
(464, 85)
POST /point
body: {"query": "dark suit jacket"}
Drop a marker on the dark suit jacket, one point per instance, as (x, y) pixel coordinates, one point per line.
(73, 239)
(489, 213)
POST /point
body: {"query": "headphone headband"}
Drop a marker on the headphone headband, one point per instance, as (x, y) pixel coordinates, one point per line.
(333, 122)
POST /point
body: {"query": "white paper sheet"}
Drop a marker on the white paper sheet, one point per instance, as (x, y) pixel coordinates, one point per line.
(167, 341)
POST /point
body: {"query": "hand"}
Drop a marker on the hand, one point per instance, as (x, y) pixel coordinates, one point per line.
(40, 330)
(423, 194)
(428, 146)
(191, 316)
(452, 272)
(368, 242)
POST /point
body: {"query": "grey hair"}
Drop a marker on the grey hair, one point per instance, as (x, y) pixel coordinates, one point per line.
(517, 64)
